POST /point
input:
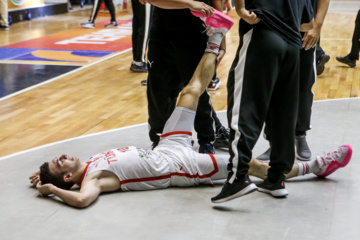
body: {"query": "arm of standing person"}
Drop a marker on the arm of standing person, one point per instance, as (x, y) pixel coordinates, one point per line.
(312, 37)
(245, 14)
(227, 5)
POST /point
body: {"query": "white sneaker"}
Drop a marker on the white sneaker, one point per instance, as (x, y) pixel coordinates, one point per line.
(332, 161)
(88, 25)
(214, 84)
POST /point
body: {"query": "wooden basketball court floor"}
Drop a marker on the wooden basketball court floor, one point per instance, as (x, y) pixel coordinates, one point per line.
(102, 106)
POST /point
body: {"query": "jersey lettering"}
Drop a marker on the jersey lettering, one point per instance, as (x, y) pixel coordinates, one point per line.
(124, 149)
(110, 156)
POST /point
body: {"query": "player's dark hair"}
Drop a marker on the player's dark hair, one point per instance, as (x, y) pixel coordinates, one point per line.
(55, 179)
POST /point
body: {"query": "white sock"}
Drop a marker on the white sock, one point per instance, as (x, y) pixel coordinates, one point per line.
(308, 167)
(213, 43)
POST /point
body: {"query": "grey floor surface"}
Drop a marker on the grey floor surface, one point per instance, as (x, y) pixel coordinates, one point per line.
(315, 208)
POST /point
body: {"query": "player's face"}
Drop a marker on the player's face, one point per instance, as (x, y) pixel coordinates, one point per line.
(63, 164)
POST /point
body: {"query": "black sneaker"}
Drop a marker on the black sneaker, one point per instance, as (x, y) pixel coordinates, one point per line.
(222, 138)
(265, 156)
(206, 148)
(237, 189)
(320, 63)
(347, 60)
(138, 68)
(276, 189)
(143, 82)
(4, 27)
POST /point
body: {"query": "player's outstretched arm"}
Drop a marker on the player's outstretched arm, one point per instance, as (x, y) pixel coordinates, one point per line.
(88, 193)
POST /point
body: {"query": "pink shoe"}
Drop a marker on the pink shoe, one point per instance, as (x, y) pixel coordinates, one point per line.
(332, 161)
(218, 22)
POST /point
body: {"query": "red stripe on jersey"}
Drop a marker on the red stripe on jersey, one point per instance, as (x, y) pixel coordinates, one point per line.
(176, 132)
(216, 169)
(145, 179)
(83, 175)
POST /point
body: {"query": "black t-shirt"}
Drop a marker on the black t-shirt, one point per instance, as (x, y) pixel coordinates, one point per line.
(176, 25)
(283, 16)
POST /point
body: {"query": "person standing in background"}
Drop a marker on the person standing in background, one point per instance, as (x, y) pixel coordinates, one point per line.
(4, 17)
(140, 26)
(351, 58)
(96, 7)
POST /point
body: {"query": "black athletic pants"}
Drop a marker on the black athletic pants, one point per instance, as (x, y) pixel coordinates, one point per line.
(355, 47)
(96, 6)
(306, 96)
(170, 67)
(319, 51)
(140, 26)
(263, 87)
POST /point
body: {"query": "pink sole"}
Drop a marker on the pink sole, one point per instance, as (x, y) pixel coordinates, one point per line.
(218, 19)
(335, 165)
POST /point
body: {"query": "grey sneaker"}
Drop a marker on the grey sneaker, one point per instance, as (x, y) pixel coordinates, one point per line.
(302, 149)
(222, 138)
(265, 156)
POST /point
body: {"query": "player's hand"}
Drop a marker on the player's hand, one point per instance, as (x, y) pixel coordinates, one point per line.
(35, 178)
(143, 2)
(249, 17)
(44, 189)
(311, 38)
(227, 6)
(201, 7)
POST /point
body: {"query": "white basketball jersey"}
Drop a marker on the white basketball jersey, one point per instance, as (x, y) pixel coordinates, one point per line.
(142, 169)
(136, 168)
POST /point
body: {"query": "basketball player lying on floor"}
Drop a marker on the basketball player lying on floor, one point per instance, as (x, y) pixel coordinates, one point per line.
(173, 163)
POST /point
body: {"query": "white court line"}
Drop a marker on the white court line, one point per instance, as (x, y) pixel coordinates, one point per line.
(63, 75)
(118, 129)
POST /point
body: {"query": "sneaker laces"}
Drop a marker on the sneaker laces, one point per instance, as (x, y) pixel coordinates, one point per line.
(327, 158)
(208, 29)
